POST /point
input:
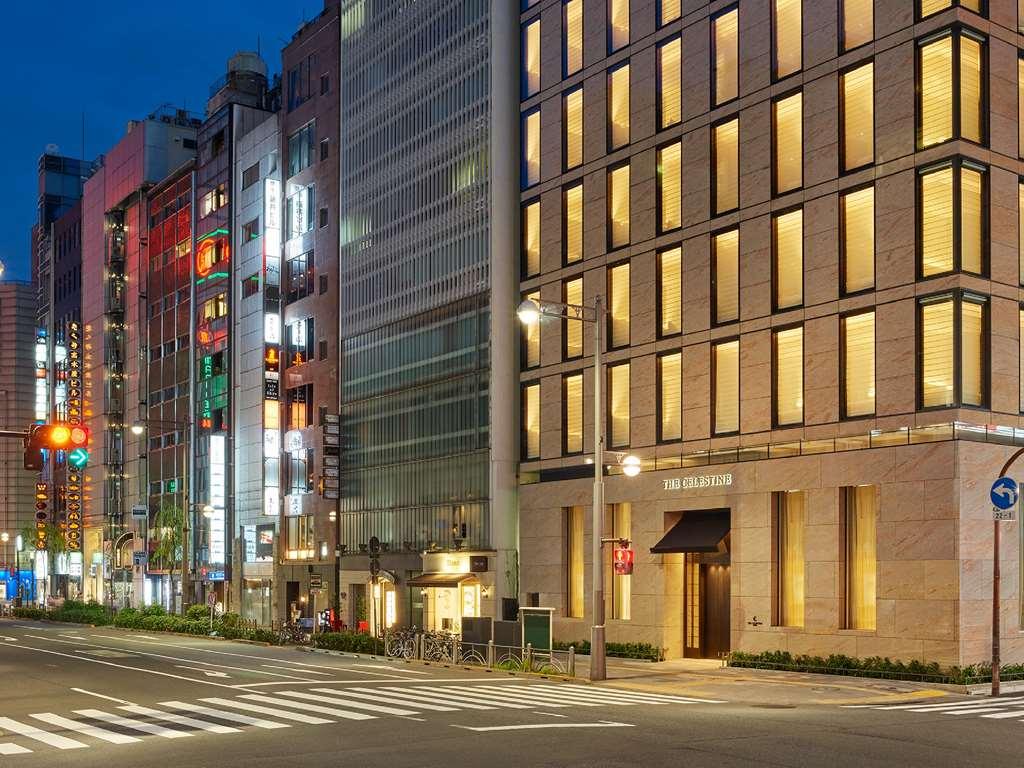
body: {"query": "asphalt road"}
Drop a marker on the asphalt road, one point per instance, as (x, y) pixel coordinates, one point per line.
(105, 697)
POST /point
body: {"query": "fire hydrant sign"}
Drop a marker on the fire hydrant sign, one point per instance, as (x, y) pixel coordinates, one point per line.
(1004, 495)
(622, 561)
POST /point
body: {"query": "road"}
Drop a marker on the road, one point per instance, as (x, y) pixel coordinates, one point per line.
(107, 697)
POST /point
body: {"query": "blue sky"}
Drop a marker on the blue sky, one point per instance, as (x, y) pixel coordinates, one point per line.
(115, 61)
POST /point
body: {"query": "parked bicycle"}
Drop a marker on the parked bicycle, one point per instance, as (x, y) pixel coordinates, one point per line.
(292, 633)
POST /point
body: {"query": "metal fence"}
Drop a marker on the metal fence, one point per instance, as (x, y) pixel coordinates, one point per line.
(446, 648)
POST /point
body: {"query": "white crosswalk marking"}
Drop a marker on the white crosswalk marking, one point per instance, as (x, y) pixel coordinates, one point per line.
(232, 717)
(622, 694)
(172, 717)
(348, 703)
(453, 700)
(467, 694)
(6, 748)
(332, 711)
(371, 695)
(31, 732)
(522, 696)
(84, 728)
(135, 725)
(295, 716)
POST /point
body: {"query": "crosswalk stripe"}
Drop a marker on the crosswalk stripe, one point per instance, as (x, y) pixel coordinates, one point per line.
(455, 701)
(645, 697)
(171, 717)
(308, 719)
(972, 711)
(1002, 715)
(952, 705)
(84, 728)
(332, 711)
(347, 703)
(233, 717)
(135, 725)
(469, 694)
(31, 732)
(7, 748)
(531, 698)
(607, 699)
(575, 699)
(371, 695)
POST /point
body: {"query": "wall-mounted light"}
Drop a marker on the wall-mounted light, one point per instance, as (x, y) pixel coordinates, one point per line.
(423, 592)
(485, 591)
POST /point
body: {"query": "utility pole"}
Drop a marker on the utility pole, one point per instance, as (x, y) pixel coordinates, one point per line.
(330, 481)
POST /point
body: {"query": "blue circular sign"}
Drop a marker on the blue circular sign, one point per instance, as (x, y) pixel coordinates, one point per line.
(1004, 492)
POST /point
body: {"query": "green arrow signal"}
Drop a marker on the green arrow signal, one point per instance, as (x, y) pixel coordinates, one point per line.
(78, 458)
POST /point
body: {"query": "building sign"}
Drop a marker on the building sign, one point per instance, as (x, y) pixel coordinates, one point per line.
(42, 411)
(271, 501)
(249, 536)
(272, 232)
(73, 495)
(697, 481)
(218, 488)
(42, 516)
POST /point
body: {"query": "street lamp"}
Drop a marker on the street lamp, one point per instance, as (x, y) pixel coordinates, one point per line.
(208, 511)
(530, 312)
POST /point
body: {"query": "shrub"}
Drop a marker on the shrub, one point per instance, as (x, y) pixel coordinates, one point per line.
(230, 620)
(82, 613)
(153, 610)
(616, 650)
(353, 642)
(29, 613)
(196, 612)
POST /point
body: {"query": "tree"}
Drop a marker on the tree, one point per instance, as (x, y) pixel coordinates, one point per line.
(168, 533)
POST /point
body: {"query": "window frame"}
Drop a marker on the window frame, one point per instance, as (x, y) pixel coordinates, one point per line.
(956, 163)
(609, 172)
(714, 103)
(843, 170)
(524, 181)
(955, 32)
(843, 292)
(953, 5)
(609, 144)
(658, 79)
(658, 292)
(523, 451)
(566, 320)
(957, 296)
(872, 310)
(524, 88)
(712, 250)
(776, 329)
(565, 221)
(774, 53)
(565, 40)
(659, 185)
(608, 439)
(565, 127)
(608, 304)
(524, 364)
(609, 47)
(659, 396)
(774, 139)
(774, 255)
(841, 49)
(714, 386)
(524, 271)
(565, 412)
(713, 167)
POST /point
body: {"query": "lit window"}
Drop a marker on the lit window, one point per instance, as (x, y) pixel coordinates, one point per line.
(670, 288)
(857, 224)
(618, 405)
(618, 207)
(860, 554)
(531, 238)
(788, 253)
(790, 514)
(725, 150)
(788, 39)
(948, 65)
(572, 111)
(1020, 94)
(618, 107)
(531, 421)
(1020, 228)
(531, 58)
(858, 21)
(300, 148)
(943, 192)
(531, 148)
(857, 89)
(788, 354)
(787, 144)
(572, 293)
(670, 187)
(572, 41)
(574, 562)
(618, 305)
(668, 10)
(572, 416)
(726, 390)
(618, 24)
(572, 201)
(858, 344)
(1021, 353)
(531, 337)
(928, 7)
(670, 424)
(670, 82)
(725, 276)
(725, 56)
(941, 321)
(619, 522)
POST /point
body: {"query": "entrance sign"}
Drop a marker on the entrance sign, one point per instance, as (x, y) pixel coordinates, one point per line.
(697, 481)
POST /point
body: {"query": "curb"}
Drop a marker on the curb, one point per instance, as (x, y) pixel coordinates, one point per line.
(160, 631)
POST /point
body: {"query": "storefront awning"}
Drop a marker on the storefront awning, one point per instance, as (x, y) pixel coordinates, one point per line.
(438, 579)
(699, 530)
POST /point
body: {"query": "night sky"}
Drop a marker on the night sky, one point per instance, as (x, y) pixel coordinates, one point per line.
(114, 60)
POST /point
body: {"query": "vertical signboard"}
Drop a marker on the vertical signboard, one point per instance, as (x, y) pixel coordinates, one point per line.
(271, 346)
(218, 485)
(42, 399)
(73, 494)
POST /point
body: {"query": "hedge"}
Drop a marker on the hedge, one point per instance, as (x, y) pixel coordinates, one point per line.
(353, 642)
(617, 650)
(72, 611)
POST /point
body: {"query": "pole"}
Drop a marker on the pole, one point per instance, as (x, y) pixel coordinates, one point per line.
(995, 582)
(185, 528)
(337, 559)
(597, 661)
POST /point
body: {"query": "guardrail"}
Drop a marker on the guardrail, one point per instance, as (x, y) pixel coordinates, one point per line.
(447, 648)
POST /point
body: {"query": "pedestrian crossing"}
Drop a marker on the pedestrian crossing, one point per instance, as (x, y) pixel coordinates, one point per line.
(226, 715)
(1008, 708)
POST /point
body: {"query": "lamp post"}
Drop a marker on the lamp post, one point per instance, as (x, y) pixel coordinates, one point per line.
(530, 311)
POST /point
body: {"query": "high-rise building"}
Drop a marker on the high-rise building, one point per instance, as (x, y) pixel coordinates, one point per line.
(802, 220)
(427, 302)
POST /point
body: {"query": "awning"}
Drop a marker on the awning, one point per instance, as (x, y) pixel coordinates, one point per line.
(699, 530)
(438, 579)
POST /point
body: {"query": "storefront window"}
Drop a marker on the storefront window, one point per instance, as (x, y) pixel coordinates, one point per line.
(860, 550)
(789, 557)
(670, 288)
(621, 526)
(574, 562)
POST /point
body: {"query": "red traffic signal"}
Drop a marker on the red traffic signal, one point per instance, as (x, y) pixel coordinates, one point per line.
(53, 437)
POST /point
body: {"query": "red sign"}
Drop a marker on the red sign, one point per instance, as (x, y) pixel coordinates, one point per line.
(622, 561)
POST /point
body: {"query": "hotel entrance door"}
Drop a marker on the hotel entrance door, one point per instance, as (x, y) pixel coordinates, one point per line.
(706, 618)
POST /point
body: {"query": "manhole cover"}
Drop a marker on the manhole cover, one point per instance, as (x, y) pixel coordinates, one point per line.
(773, 706)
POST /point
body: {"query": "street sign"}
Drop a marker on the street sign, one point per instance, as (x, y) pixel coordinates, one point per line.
(1004, 492)
(316, 581)
(139, 559)
(78, 458)
(623, 561)
(1004, 515)
(140, 510)
(211, 599)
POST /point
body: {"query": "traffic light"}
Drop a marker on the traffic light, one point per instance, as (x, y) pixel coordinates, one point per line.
(54, 437)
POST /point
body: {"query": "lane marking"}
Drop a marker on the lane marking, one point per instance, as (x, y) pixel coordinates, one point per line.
(534, 726)
(350, 693)
(527, 697)
(549, 714)
(243, 686)
(962, 704)
(353, 704)
(416, 697)
(233, 717)
(7, 748)
(396, 669)
(417, 719)
(31, 732)
(99, 695)
(623, 693)
(83, 728)
(484, 697)
(319, 708)
(135, 725)
(172, 717)
(207, 672)
(308, 719)
(306, 671)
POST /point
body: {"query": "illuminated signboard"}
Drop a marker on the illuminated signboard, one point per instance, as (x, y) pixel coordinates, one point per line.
(272, 232)
(218, 489)
(272, 328)
(42, 517)
(271, 349)
(271, 501)
(42, 411)
(73, 531)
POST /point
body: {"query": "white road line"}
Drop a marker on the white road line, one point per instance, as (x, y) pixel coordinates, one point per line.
(431, 696)
(1002, 715)
(275, 712)
(953, 704)
(304, 671)
(7, 748)
(621, 693)
(83, 728)
(233, 717)
(349, 693)
(347, 703)
(388, 675)
(526, 697)
(318, 708)
(99, 695)
(533, 726)
(135, 725)
(579, 699)
(549, 714)
(396, 669)
(31, 732)
(171, 717)
(483, 697)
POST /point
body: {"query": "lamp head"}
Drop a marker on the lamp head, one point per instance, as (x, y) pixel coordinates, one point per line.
(138, 429)
(631, 466)
(529, 312)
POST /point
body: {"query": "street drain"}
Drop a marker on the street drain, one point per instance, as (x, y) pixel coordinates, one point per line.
(773, 706)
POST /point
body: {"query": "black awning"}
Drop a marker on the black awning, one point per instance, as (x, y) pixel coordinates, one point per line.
(699, 530)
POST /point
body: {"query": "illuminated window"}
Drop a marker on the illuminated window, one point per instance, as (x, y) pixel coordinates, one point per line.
(572, 330)
(787, 143)
(216, 307)
(1020, 93)
(531, 58)
(618, 207)
(928, 7)
(531, 337)
(670, 289)
(788, 259)
(788, 37)
(574, 526)
(670, 187)
(572, 217)
(725, 153)
(670, 76)
(950, 64)
(300, 341)
(668, 10)
(531, 422)
(1020, 227)
(298, 471)
(1020, 312)
(213, 200)
(572, 413)
(618, 522)
(856, 87)
(860, 555)
(618, 405)
(299, 276)
(531, 238)
(572, 37)
(789, 519)
(951, 219)
(857, 337)
(618, 305)
(531, 148)
(301, 151)
(942, 320)
(788, 375)
(725, 56)
(858, 23)
(725, 276)
(572, 116)
(618, 107)
(299, 537)
(618, 24)
(299, 406)
(670, 392)
(725, 361)
(857, 226)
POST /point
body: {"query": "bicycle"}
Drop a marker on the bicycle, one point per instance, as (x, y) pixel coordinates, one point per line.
(292, 633)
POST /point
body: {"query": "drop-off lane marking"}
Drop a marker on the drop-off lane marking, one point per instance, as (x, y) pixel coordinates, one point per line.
(538, 726)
